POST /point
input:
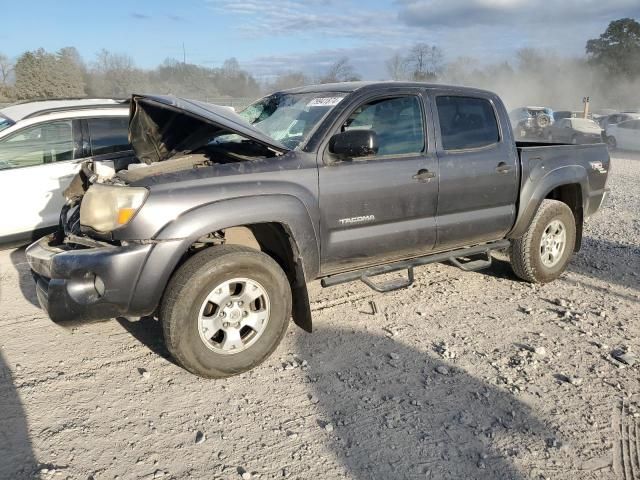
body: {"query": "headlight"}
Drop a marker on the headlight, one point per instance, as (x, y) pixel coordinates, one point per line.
(105, 207)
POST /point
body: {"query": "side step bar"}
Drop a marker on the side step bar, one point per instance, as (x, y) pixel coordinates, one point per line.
(453, 257)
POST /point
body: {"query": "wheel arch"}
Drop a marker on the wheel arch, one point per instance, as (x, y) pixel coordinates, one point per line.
(571, 195)
(567, 184)
(280, 225)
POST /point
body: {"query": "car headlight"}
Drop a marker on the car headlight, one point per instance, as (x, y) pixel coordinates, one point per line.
(106, 207)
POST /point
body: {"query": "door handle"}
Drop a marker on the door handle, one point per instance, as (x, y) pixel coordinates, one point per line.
(424, 175)
(503, 168)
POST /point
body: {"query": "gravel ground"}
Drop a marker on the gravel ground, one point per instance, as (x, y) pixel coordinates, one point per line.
(463, 375)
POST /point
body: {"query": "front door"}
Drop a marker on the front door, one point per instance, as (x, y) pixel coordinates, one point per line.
(380, 207)
(478, 172)
(36, 165)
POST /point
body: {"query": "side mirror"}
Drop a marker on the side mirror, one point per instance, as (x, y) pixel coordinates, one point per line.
(354, 143)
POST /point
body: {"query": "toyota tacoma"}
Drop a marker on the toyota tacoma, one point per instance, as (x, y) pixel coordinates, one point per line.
(218, 221)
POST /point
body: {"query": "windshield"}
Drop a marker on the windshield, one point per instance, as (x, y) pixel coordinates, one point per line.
(289, 118)
(5, 122)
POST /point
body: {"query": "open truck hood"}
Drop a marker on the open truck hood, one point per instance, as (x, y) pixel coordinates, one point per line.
(161, 126)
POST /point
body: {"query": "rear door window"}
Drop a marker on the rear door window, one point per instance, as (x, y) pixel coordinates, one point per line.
(109, 135)
(466, 122)
(43, 143)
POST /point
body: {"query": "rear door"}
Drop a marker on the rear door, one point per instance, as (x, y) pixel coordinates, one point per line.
(37, 162)
(633, 142)
(108, 134)
(478, 171)
(375, 209)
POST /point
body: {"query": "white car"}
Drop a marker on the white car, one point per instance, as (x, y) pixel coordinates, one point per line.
(624, 135)
(42, 144)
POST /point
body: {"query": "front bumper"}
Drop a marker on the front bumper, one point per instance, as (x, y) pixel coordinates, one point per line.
(86, 283)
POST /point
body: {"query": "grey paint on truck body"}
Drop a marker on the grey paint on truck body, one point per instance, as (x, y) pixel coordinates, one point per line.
(545, 168)
(308, 192)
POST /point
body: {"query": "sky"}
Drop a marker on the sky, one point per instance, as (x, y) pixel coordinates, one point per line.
(271, 36)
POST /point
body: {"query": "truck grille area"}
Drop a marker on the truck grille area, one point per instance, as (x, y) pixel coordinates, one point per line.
(70, 219)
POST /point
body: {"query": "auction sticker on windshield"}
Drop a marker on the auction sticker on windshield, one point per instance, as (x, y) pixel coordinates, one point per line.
(324, 102)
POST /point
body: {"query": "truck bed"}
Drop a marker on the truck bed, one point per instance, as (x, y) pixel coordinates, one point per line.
(547, 165)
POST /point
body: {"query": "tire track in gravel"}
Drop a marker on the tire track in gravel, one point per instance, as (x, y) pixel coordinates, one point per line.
(625, 429)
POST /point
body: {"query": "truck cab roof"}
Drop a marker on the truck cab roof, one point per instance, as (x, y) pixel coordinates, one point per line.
(380, 85)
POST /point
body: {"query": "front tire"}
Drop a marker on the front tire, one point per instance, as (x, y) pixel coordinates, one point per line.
(612, 142)
(225, 311)
(543, 252)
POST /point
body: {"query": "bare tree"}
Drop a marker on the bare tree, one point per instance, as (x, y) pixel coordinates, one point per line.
(531, 59)
(6, 69)
(340, 71)
(425, 62)
(232, 81)
(115, 75)
(288, 80)
(397, 67)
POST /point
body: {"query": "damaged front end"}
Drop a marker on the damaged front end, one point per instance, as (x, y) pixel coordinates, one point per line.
(91, 266)
(168, 135)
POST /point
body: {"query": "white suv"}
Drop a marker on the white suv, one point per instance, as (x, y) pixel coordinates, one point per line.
(41, 146)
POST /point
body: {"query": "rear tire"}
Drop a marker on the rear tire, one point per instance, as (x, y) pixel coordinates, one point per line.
(543, 252)
(225, 311)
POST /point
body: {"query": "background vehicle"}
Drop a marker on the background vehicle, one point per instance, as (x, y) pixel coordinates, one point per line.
(531, 122)
(41, 146)
(560, 114)
(624, 135)
(575, 130)
(616, 118)
(227, 217)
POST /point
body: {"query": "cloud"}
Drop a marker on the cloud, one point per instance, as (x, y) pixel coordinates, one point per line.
(344, 19)
(489, 30)
(140, 16)
(176, 18)
(456, 14)
(368, 60)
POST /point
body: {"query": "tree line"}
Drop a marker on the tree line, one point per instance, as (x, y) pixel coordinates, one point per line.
(64, 74)
(609, 71)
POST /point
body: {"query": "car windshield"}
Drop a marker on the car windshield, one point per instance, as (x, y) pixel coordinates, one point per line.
(5, 122)
(289, 118)
(537, 111)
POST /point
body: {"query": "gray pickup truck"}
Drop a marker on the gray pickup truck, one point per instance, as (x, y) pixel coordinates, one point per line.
(220, 220)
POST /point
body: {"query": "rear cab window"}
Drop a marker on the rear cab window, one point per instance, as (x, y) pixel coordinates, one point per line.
(466, 122)
(109, 135)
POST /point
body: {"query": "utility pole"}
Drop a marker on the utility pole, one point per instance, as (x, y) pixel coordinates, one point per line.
(184, 55)
(585, 100)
